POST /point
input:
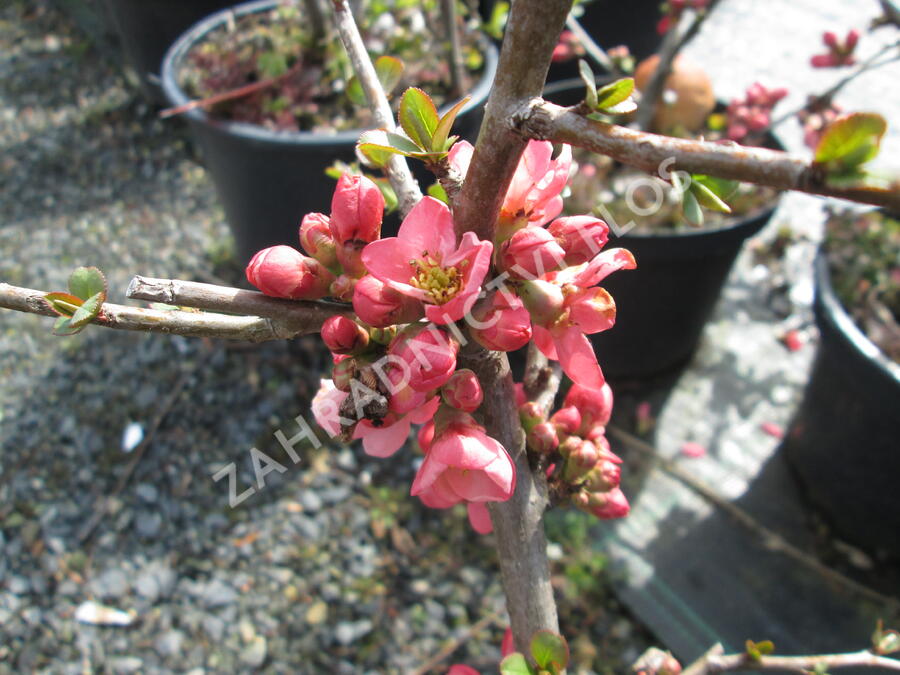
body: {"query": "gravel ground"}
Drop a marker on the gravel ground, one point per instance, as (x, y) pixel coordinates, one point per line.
(330, 568)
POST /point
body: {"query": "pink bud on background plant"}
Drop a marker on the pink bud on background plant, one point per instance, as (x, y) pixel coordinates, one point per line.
(502, 324)
(530, 253)
(284, 272)
(543, 438)
(581, 237)
(430, 355)
(595, 405)
(839, 53)
(357, 208)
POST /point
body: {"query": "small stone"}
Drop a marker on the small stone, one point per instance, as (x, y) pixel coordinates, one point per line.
(169, 643)
(348, 632)
(18, 585)
(214, 627)
(147, 586)
(254, 654)
(148, 523)
(246, 631)
(317, 613)
(125, 664)
(111, 584)
(147, 492)
(216, 594)
(311, 501)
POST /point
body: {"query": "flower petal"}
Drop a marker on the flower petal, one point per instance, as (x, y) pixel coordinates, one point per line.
(479, 518)
(382, 441)
(604, 264)
(577, 358)
(429, 227)
(388, 260)
(426, 412)
(544, 342)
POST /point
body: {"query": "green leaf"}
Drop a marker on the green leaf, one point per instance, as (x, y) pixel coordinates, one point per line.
(590, 84)
(355, 92)
(63, 327)
(390, 197)
(271, 64)
(708, 198)
(622, 108)
(389, 69)
(378, 146)
(442, 132)
(765, 647)
(692, 211)
(550, 650)
(86, 282)
(64, 304)
(495, 25)
(437, 191)
(851, 140)
(515, 664)
(88, 311)
(723, 188)
(615, 93)
(751, 650)
(418, 117)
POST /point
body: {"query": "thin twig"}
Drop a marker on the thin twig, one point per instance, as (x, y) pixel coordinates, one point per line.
(770, 539)
(593, 50)
(715, 661)
(457, 67)
(234, 301)
(175, 322)
(231, 94)
(405, 186)
(826, 97)
(101, 506)
(652, 152)
(671, 46)
(456, 643)
(542, 378)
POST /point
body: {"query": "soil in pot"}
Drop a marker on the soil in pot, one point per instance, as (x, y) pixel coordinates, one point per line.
(268, 152)
(662, 305)
(842, 443)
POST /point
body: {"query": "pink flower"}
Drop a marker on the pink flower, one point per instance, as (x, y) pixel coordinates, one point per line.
(501, 325)
(424, 262)
(581, 237)
(534, 192)
(326, 406)
(465, 464)
(343, 336)
(284, 272)
(426, 355)
(597, 269)
(385, 438)
(459, 669)
(839, 53)
(463, 391)
(530, 253)
(379, 305)
(316, 238)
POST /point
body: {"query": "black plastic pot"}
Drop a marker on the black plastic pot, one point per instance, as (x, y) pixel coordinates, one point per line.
(147, 28)
(267, 180)
(843, 441)
(663, 305)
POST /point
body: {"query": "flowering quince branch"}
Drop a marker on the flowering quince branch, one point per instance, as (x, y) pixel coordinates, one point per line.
(543, 120)
(716, 661)
(405, 186)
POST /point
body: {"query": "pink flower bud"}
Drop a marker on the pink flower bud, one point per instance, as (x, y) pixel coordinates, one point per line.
(543, 300)
(530, 414)
(581, 237)
(608, 505)
(429, 355)
(284, 272)
(567, 420)
(343, 287)
(357, 208)
(830, 39)
(852, 40)
(595, 405)
(519, 391)
(425, 436)
(530, 253)
(316, 239)
(543, 438)
(379, 305)
(463, 391)
(569, 445)
(501, 325)
(343, 372)
(580, 461)
(823, 61)
(603, 476)
(344, 336)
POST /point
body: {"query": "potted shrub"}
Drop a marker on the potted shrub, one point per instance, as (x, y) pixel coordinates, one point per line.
(268, 150)
(842, 442)
(684, 255)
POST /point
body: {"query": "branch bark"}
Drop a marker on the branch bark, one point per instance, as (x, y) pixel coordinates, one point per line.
(175, 322)
(531, 34)
(714, 661)
(543, 120)
(408, 192)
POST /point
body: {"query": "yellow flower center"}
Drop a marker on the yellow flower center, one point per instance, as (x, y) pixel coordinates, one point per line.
(439, 283)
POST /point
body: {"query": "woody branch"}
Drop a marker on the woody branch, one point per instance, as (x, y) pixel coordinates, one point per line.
(714, 661)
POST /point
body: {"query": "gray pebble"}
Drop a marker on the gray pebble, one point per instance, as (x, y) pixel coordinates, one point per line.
(254, 654)
(148, 523)
(310, 501)
(216, 593)
(147, 492)
(111, 584)
(169, 643)
(18, 585)
(348, 632)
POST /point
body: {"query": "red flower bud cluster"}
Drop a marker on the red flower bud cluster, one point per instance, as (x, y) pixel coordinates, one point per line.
(753, 113)
(840, 53)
